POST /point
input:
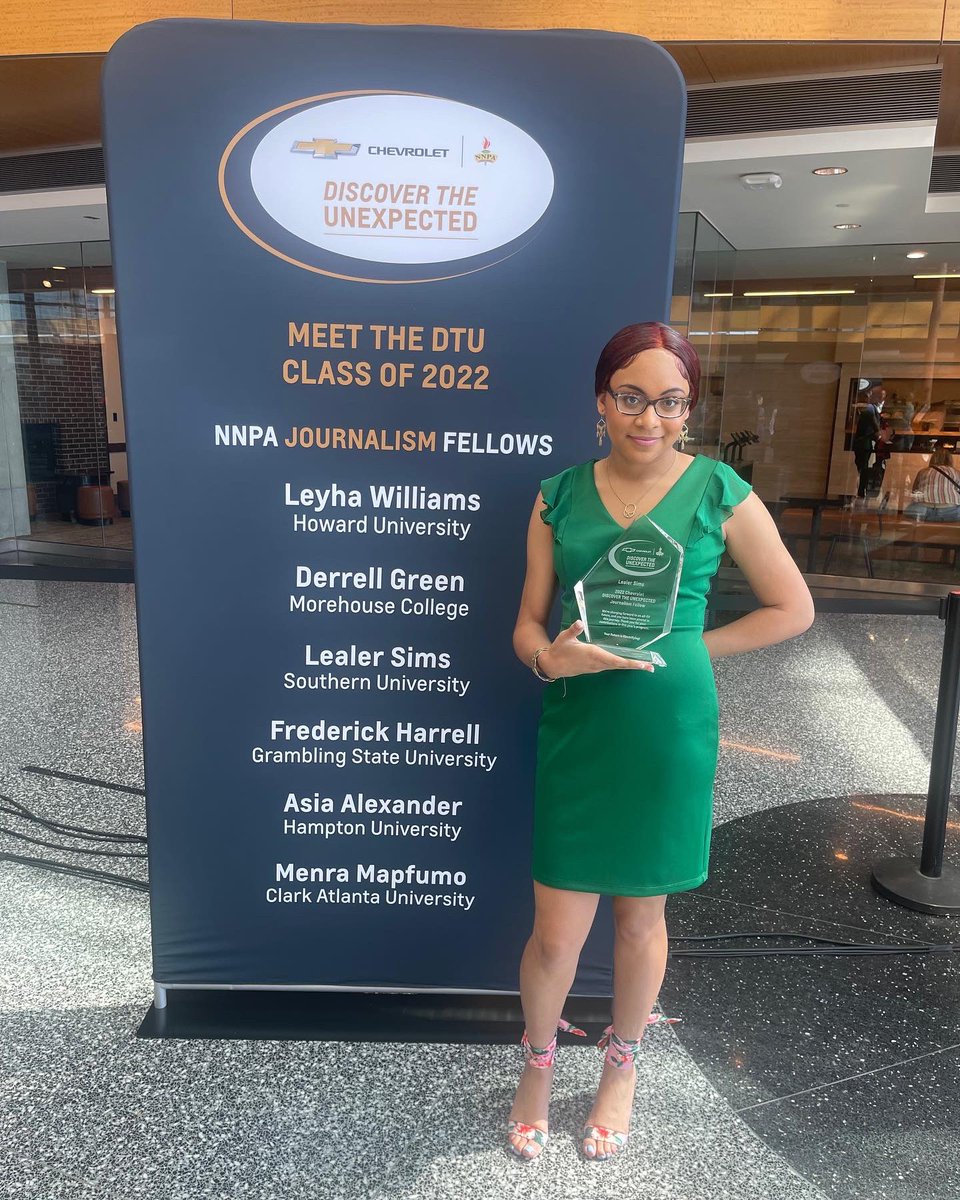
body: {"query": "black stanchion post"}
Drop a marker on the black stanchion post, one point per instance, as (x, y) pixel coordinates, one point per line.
(932, 887)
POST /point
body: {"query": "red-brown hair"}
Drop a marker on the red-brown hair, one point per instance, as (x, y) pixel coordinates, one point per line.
(632, 340)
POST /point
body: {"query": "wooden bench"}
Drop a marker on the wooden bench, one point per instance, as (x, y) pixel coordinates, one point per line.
(856, 526)
(859, 526)
(905, 533)
(880, 534)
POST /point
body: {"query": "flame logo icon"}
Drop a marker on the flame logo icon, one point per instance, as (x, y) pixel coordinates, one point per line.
(485, 155)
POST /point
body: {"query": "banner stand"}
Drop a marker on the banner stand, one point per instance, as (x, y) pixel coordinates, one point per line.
(363, 276)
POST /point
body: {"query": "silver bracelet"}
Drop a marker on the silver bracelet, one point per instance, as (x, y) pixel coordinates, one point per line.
(536, 666)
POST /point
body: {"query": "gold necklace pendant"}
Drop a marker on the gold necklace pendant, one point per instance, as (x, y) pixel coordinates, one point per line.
(630, 510)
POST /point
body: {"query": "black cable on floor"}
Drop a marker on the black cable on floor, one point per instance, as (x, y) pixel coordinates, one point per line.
(828, 946)
(836, 946)
(866, 949)
(71, 849)
(76, 831)
(833, 948)
(99, 783)
(46, 864)
(14, 808)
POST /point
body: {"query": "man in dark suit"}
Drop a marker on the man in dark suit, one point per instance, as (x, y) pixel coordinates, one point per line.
(866, 433)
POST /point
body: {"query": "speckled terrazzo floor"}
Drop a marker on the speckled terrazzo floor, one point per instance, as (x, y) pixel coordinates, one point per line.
(789, 1077)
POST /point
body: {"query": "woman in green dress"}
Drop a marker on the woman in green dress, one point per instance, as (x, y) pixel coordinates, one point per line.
(626, 752)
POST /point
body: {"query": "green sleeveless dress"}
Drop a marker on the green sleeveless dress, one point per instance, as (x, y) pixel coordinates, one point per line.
(626, 760)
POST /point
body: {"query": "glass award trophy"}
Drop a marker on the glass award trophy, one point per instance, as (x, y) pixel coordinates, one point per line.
(626, 599)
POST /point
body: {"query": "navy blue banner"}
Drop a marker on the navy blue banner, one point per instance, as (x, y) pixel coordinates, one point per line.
(363, 275)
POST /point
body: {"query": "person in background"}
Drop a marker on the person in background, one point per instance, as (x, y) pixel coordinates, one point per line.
(936, 490)
(882, 449)
(903, 424)
(865, 435)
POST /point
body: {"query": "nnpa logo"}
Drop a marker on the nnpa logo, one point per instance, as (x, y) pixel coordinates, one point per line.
(326, 148)
(486, 155)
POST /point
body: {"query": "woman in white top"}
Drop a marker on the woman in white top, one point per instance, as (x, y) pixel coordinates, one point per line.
(936, 490)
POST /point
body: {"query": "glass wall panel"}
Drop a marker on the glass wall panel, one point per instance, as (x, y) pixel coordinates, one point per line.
(702, 292)
(796, 345)
(60, 400)
(14, 517)
(847, 367)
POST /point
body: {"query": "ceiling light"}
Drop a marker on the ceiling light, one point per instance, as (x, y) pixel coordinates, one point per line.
(47, 283)
(716, 295)
(102, 291)
(940, 275)
(823, 292)
(917, 254)
(762, 181)
(846, 225)
(58, 268)
(830, 170)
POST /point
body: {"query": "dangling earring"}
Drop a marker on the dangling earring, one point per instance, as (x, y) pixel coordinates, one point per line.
(601, 430)
(684, 435)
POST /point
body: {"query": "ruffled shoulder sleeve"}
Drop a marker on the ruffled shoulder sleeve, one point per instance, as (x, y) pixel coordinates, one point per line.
(557, 492)
(724, 491)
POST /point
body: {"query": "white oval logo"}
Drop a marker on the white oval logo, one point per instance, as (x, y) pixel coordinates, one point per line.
(639, 557)
(401, 179)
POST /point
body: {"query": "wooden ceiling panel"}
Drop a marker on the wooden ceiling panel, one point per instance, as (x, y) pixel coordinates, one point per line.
(732, 62)
(91, 26)
(87, 26)
(51, 102)
(694, 21)
(54, 101)
(951, 21)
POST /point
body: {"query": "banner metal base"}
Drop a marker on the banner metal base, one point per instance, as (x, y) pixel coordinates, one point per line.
(325, 1014)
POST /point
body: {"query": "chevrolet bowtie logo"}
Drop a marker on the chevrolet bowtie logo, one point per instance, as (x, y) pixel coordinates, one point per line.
(326, 147)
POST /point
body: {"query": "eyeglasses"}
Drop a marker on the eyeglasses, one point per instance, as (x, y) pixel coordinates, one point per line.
(632, 405)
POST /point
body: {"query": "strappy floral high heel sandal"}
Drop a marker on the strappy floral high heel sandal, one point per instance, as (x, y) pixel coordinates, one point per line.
(621, 1054)
(541, 1059)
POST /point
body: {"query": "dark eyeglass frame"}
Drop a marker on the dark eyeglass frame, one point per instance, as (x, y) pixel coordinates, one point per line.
(636, 412)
